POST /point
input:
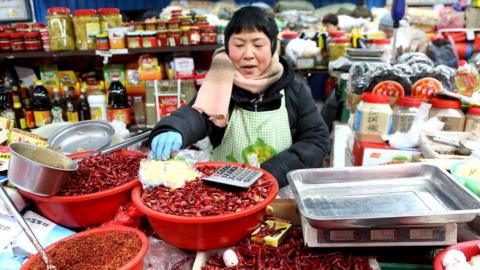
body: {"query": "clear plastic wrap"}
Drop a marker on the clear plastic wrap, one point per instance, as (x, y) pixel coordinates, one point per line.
(441, 73)
(388, 73)
(360, 77)
(414, 58)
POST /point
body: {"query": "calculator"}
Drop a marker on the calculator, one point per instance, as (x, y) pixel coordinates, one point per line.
(234, 176)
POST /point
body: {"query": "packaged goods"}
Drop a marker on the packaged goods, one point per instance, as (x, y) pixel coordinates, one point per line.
(404, 113)
(449, 112)
(87, 26)
(473, 120)
(373, 115)
(60, 29)
(389, 81)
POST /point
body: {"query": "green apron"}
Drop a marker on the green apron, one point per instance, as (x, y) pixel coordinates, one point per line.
(254, 137)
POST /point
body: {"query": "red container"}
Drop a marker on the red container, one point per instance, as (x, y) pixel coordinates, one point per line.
(135, 264)
(85, 210)
(202, 233)
(469, 248)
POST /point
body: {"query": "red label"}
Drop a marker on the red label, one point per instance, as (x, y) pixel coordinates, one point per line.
(389, 88)
(30, 118)
(122, 115)
(168, 104)
(426, 88)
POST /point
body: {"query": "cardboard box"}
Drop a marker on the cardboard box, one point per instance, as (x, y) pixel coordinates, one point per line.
(371, 154)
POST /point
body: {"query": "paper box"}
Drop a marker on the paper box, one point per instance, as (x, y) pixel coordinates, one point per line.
(371, 154)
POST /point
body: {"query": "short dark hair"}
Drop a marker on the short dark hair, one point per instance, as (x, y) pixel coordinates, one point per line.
(330, 18)
(252, 18)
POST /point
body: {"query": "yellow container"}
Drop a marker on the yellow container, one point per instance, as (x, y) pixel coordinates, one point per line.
(87, 25)
(109, 18)
(60, 28)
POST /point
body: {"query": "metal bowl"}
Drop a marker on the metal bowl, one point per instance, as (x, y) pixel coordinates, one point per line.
(82, 136)
(38, 170)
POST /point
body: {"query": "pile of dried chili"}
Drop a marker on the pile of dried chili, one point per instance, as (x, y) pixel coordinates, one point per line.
(199, 199)
(110, 250)
(290, 254)
(102, 172)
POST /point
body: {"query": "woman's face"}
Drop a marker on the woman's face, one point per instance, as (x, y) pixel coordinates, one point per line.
(250, 52)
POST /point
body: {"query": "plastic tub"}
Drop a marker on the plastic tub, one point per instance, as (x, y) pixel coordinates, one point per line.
(469, 248)
(202, 233)
(135, 264)
(84, 210)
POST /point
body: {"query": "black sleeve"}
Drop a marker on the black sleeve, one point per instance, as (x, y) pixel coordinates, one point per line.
(310, 142)
(193, 125)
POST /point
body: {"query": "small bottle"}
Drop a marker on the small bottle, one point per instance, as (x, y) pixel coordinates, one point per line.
(83, 106)
(57, 110)
(71, 105)
(41, 105)
(20, 121)
(28, 112)
(98, 104)
(118, 108)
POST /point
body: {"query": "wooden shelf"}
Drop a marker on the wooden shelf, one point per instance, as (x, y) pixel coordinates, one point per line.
(93, 53)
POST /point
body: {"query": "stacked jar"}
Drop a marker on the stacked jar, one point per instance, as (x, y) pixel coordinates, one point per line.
(16, 40)
(384, 45)
(449, 112)
(32, 41)
(373, 117)
(87, 26)
(404, 112)
(22, 28)
(473, 119)
(208, 34)
(44, 35)
(60, 29)
(5, 43)
(36, 27)
(109, 18)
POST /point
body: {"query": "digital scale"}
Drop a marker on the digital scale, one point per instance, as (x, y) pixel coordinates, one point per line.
(413, 235)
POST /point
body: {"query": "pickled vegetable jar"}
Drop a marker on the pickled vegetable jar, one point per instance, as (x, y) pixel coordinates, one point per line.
(337, 47)
(87, 25)
(60, 28)
(109, 18)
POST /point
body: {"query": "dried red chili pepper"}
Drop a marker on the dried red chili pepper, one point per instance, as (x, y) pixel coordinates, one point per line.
(102, 172)
(199, 199)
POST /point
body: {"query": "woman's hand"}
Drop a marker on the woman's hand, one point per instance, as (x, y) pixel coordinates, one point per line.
(165, 144)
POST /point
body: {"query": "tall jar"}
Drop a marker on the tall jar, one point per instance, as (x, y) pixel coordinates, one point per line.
(337, 47)
(32, 41)
(60, 29)
(208, 34)
(5, 43)
(373, 116)
(109, 18)
(473, 119)
(404, 112)
(449, 112)
(87, 26)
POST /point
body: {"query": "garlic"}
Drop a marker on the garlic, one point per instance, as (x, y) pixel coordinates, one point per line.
(230, 258)
(453, 256)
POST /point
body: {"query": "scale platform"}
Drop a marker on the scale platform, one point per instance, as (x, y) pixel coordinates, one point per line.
(414, 235)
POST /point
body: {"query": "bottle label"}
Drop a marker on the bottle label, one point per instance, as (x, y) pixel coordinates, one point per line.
(30, 119)
(96, 113)
(122, 115)
(23, 123)
(72, 116)
(42, 118)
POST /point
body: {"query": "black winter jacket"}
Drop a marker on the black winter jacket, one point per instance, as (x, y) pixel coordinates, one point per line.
(310, 137)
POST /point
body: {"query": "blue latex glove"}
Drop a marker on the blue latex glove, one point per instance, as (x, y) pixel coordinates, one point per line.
(164, 144)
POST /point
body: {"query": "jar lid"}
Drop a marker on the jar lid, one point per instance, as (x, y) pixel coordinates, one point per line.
(372, 98)
(176, 11)
(102, 35)
(336, 33)
(340, 40)
(185, 28)
(381, 41)
(446, 103)
(32, 35)
(62, 10)
(186, 17)
(409, 102)
(84, 12)
(149, 33)
(16, 35)
(39, 25)
(133, 34)
(106, 11)
(290, 35)
(21, 26)
(474, 110)
(4, 35)
(138, 23)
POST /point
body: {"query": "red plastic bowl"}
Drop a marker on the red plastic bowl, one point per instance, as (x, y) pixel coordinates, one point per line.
(85, 210)
(135, 264)
(202, 233)
(469, 248)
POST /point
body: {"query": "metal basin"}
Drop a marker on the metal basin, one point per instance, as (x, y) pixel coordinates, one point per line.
(38, 170)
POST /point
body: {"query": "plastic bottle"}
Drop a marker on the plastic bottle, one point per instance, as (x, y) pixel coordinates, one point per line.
(20, 121)
(118, 108)
(7, 103)
(71, 105)
(28, 111)
(98, 104)
(83, 106)
(41, 105)
(57, 108)
(467, 79)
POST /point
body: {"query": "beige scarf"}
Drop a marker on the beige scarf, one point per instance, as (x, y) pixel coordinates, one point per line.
(214, 95)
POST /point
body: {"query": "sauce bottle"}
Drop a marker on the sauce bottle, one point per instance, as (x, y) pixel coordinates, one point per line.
(83, 106)
(20, 121)
(58, 112)
(118, 108)
(41, 105)
(71, 105)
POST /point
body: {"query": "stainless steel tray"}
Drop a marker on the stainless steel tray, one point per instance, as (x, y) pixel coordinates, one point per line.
(82, 136)
(389, 195)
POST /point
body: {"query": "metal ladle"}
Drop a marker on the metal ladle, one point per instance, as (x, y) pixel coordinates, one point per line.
(23, 224)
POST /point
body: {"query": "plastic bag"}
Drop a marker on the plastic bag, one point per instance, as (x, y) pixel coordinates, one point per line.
(412, 137)
(127, 215)
(442, 74)
(162, 256)
(360, 74)
(388, 73)
(442, 52)
(415, 57)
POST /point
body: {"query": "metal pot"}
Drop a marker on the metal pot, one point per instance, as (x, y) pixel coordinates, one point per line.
(38, 170)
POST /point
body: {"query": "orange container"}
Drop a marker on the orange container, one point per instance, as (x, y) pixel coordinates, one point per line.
(469, 248)
(85, 210)
(135, 264)
(202, 233)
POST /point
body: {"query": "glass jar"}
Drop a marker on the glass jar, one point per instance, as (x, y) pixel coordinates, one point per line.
(404, 112)
(134, 40)
(382, 44)
(337, 47)
(449, 112)
(175, 14)
(162, 38)
(185, 39)
(373, 115)
(36, 27)
(473, 119)
(149, 39)
(16, 40)
(87, 26)
(186, 21)
(208, 34)
(5, 43)
(109, 18)
(60, 29)
(194, 35)
(102, 42)
(32, 41)
(174, 37)
(150, 26)
(200, 20)
(174, 24)
(139, 26)
(22, 28)
(162, 25)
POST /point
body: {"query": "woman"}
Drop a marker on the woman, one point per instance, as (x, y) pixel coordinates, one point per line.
(251, 105)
